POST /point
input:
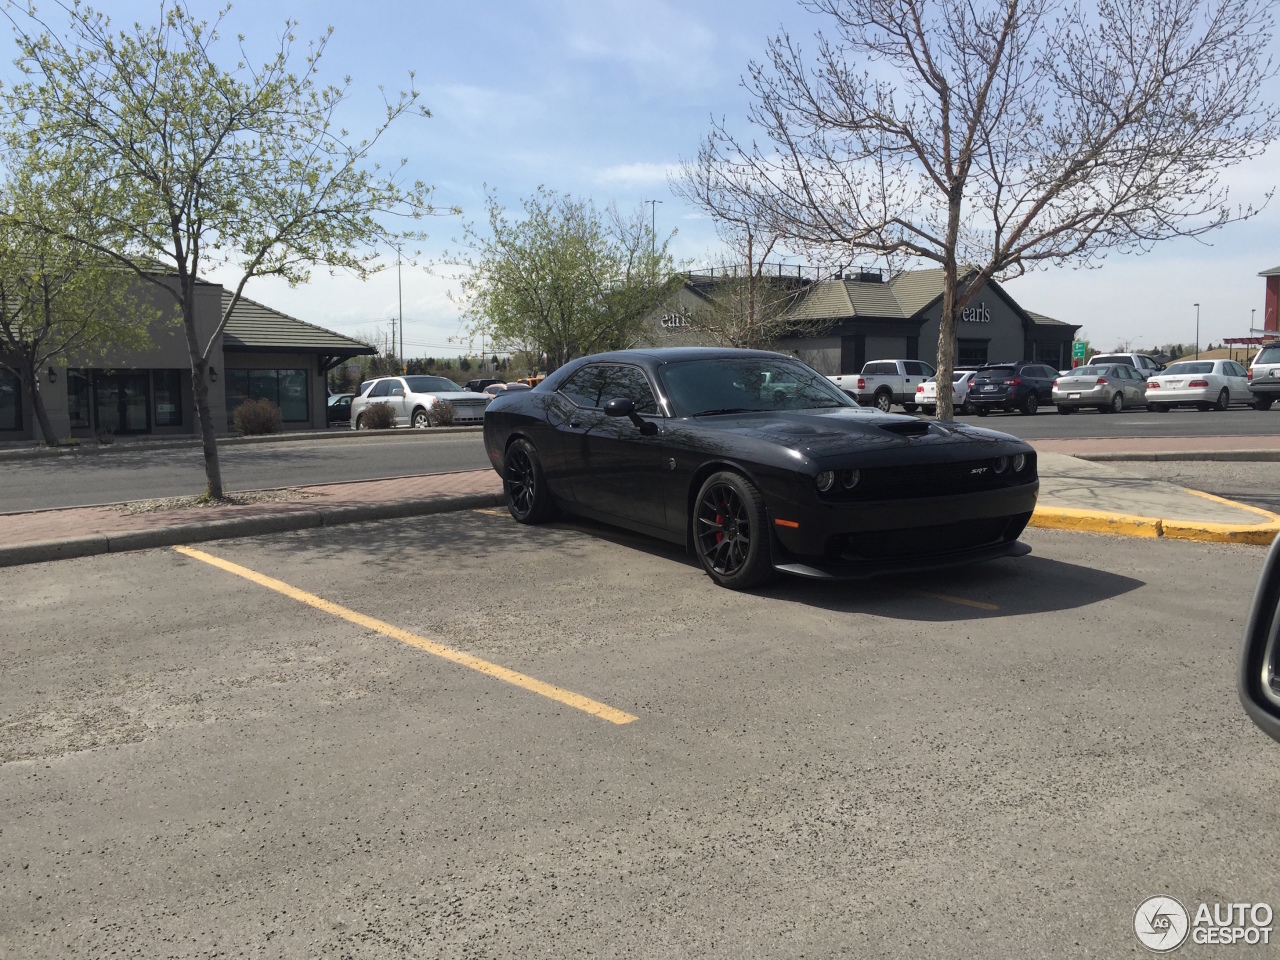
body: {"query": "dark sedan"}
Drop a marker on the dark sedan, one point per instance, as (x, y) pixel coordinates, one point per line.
(757, 463)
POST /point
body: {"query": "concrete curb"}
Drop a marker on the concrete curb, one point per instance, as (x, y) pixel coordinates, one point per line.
(1226, 456)
(66, 549)
(91, 449)
(1129, 525)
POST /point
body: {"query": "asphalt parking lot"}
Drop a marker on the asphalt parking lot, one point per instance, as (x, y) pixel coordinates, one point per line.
(997, 762)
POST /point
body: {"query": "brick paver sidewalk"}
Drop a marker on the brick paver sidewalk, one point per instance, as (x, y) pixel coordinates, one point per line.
(40, 525)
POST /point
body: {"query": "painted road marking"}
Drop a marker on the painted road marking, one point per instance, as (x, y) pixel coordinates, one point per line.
(977, 604)
(559, 694)
(492, 512)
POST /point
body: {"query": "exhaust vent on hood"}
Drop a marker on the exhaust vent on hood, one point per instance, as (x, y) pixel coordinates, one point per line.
(909, 428)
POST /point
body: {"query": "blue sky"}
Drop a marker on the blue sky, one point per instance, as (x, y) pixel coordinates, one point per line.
(601, 99)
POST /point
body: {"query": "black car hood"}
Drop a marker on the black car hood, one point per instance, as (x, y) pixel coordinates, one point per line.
(823, 433)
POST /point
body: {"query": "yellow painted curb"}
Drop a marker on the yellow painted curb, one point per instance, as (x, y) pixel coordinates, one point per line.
(1129, 525)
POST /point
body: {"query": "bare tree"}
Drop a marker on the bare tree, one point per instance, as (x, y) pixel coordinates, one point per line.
(990, 138)
(747, 306)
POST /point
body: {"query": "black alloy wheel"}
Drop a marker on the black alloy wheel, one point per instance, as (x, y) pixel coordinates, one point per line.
(1031, 404)
(420, 419)
(525, 485)
(884, 402)
(1224, 400)
(731, 532)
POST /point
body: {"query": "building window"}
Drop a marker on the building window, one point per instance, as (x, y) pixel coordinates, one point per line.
(10, 400)
(1050, 353)
(166, 389)
(79, 398)
(287, 389)
(971, 353)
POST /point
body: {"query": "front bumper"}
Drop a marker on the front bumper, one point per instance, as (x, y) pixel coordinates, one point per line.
(1015, 548)
(856, 540)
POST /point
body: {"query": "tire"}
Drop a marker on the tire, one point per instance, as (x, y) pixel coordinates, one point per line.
(910, 407)
(1066, 410)
(1204, 407)
(981, 411)
(525, 485)
(1030, 405)
(883, 401)
(968, 407)
(360, 423)
(929, 411)
(1117, 404)
(731, 532)
(1158, 407)
(1224, 400)
(1263, 403)
(420, 420)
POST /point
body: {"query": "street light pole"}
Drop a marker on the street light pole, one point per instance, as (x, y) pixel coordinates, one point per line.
(400, 295)
(653, 220)
(1197, 306)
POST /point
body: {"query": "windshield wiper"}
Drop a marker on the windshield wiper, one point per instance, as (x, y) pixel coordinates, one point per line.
(713, 413)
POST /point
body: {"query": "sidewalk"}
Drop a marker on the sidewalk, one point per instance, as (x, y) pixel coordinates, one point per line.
(83, 531)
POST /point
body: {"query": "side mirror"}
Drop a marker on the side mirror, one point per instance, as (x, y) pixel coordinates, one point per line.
(397, 391)
(1260, 659)
(624, 407)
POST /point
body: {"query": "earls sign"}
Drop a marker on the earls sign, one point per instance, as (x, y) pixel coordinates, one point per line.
(680, 318)
(978, 314)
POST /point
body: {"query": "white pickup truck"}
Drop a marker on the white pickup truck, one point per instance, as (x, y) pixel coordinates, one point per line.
(882, 383)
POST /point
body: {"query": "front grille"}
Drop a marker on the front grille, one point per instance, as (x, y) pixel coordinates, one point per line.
(918, 542)
(932, 480)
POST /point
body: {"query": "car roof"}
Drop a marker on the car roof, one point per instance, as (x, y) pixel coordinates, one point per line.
(676, 354)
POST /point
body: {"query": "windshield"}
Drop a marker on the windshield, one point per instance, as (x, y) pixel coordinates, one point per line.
(745, 385)
(431, 385)
(1180, 369)
(993, 373)
(1116, 358)
(1089, 371)
(1268, 354)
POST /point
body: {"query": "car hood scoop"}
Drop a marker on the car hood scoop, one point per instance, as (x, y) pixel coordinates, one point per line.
(906, 428)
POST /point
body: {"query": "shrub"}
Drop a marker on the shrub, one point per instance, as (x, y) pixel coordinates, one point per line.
(378, 416)
(443, 413)
(257, 417)
(105, 437)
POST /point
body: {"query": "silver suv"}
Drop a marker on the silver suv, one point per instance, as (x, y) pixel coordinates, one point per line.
(1144, 364)
(1264, 376)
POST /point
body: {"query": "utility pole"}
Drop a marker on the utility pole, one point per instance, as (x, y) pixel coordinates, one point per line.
(404, 368)
(1197, 306)
(653, 219)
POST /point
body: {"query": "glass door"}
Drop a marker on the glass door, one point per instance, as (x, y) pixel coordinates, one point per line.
(120, 403)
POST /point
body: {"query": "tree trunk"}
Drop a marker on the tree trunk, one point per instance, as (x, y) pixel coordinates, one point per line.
(31, 380)
(947, 320)
(200, 388)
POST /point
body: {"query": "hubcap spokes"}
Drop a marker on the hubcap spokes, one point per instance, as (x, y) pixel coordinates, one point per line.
(724, 530)
(520, 481)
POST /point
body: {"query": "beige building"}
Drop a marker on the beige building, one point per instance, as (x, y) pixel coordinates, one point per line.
(262, 353)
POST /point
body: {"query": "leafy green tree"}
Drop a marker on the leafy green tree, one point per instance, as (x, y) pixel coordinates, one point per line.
(197, 166)
(58, 298)
(563, 281)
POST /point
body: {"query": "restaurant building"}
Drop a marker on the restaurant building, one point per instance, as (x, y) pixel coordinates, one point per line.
(858, 317)
(262, 353)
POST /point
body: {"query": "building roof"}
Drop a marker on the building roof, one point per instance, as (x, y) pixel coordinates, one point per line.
(1040, 318)
(1273, 272)
(253, 326)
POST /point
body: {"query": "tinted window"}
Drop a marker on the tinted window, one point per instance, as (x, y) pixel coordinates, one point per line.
(1268, 354)
(1113, 358)
(993, 373)
(598, 383)
(381, 389)
(432, 384)
(915, 369)
(748, 384)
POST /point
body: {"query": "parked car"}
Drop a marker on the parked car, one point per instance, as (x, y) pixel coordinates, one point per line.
(531, 381)
(1021, 386)
(927, 393)
(1264, 376)
(690, 445)
(477, 385)
(882, 383)
(1105, 387)
(340, 407)
(497, 389)
(412, 398)
(1144, 364)
(1206, 384)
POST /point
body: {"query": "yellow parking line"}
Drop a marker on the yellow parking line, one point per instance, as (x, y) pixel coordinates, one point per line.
(560, 695)
(977, 604)
(492, 512)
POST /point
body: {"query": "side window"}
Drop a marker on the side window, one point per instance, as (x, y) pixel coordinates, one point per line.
(915, 368)
(928, 370)
(381, 389)
(597, 383)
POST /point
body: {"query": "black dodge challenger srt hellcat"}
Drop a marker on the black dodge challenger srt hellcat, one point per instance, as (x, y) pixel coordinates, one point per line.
(757, 463)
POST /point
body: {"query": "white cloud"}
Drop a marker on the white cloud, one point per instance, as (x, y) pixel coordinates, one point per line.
(636, 174)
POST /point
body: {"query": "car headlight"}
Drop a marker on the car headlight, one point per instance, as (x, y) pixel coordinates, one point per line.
(1019, 461)
(826, 480)
(850, 478)
(1001, 464)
